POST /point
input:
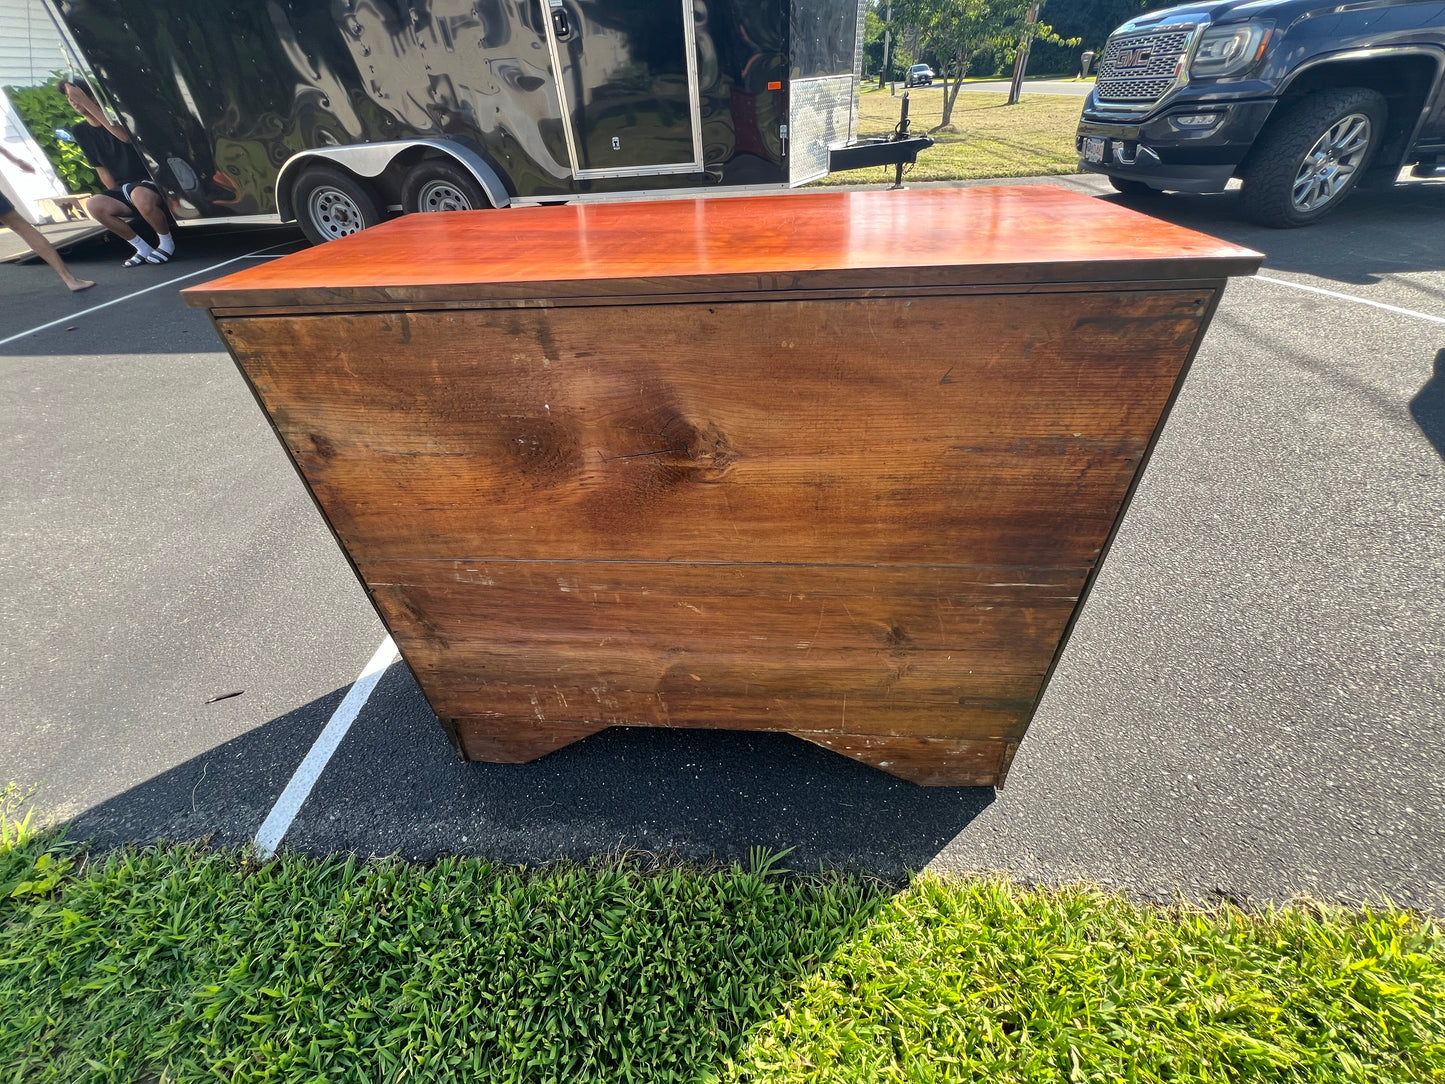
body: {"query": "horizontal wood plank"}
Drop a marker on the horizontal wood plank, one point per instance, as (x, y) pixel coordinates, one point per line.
(1005, 619)
(823, 432)
(870, 650)
(927, 761)
(928, 701)
(860, 289)
(958, 236)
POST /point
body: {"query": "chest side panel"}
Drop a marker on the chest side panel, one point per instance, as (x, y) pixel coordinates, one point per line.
(970, 430)
(867, 522)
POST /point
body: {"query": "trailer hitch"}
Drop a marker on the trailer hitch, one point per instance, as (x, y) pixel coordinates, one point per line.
(900, 133)
(896, 149)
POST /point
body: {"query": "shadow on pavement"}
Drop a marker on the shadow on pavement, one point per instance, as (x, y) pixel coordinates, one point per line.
(1398, 230)
(221, 795)
(1428, 406)
(395, 787)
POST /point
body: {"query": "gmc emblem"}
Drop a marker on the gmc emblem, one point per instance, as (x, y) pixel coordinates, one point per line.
(1133, 58)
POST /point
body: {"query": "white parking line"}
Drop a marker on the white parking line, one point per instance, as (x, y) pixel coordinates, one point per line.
(1351, 297)
(137, 293)
(278, 821)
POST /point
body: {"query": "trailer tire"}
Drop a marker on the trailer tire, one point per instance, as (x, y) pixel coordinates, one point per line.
(442, 186)
(331, 203)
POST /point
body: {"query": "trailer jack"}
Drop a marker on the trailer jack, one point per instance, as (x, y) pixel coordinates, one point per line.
(900, 133)
(897, 150)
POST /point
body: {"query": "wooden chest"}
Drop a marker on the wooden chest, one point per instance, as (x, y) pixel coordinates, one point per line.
(841, 465)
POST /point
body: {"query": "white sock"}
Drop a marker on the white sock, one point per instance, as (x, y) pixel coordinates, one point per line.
(141, 245)
(167, 243)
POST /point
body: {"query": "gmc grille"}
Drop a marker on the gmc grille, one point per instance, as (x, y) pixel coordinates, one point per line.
(1138, 69)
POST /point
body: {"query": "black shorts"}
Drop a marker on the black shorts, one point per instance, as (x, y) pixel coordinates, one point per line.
(5, 205)
(123, 192)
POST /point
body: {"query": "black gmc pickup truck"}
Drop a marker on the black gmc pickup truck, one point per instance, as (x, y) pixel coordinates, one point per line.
(1301, 100)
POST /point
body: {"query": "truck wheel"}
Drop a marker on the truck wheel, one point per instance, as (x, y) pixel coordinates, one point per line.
(442, 186)
(1310, 158)
(1126, 187)
(331, 203)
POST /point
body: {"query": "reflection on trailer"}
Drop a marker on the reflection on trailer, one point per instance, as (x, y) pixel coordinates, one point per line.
(338, 112)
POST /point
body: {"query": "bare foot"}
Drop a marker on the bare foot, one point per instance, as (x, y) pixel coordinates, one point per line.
(76, 285)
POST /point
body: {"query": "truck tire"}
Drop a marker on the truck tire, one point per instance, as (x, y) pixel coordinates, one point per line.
(1126, 187)
(1310, 157)
(442, 186)
(331, 203)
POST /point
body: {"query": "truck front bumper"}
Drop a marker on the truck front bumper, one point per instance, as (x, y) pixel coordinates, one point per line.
(1193, 147)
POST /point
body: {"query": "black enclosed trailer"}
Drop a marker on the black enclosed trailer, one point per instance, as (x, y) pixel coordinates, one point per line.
(337, 113)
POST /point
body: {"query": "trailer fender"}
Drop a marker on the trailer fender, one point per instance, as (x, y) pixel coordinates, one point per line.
(372, 160)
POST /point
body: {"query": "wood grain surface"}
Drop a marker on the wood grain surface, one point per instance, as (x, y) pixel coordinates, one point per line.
(839, 239)
(846, 649)
(840, 465)
(869, 431)
(927, 761)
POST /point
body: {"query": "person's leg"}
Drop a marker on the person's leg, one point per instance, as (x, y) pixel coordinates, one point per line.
(148, 203)
(110, 213)
(44, 249)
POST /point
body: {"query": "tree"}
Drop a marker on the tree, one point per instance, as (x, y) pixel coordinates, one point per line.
(956, 31)
(1091, 21)
(1094, 20)
(873, 27)
(899, 54)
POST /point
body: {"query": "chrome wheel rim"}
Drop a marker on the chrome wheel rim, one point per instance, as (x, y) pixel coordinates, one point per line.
(1331, 163)
(442, 196)
(334, 213)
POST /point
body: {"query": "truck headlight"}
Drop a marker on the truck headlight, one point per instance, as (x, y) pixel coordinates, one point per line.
(1228, 50)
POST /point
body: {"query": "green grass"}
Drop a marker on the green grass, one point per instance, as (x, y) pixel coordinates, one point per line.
(979, 980)
(179, 964)
(986, 137)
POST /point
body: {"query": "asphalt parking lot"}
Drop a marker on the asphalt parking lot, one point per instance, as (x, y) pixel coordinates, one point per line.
(1251, 703)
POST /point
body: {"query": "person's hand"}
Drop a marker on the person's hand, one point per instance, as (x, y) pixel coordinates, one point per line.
(83, 104)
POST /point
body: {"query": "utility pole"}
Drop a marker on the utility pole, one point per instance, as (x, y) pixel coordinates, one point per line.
(1021, 62)
(887, 32)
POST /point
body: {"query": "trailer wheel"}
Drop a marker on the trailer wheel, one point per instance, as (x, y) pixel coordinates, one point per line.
(331, 203)
(442, 186)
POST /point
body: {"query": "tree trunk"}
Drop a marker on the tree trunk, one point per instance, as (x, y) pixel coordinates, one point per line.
(950, 94)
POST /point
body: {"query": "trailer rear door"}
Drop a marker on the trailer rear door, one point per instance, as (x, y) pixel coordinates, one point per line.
(626, 73)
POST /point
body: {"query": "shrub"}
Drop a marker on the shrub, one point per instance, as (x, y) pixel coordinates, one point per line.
(43, 109)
